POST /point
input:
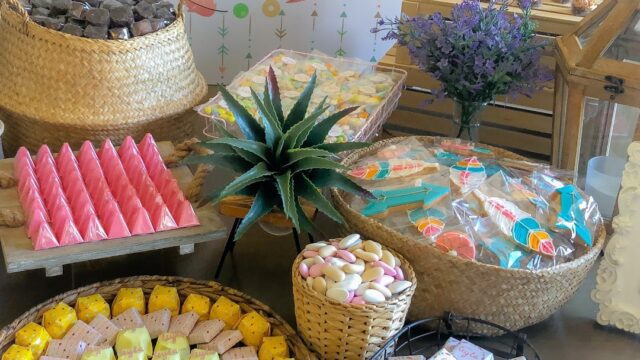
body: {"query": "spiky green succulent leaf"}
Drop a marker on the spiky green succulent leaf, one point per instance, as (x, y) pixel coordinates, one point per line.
(320, 131)
(299, 109)
(223, 130)
(272, 131)
(256, 148)
(315, 162)
(265, 200)
(254, 175)
(299, 154)
(305, 223)
(306, 189)
(299, 132)
(274, 95)
(323, 178)
(285, 188)
(249, 126)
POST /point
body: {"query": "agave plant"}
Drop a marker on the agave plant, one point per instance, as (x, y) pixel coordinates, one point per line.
(281, 159)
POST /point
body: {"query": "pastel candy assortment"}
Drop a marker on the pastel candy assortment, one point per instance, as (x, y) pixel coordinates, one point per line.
(69, 199)
(353, 271)
(344, 83)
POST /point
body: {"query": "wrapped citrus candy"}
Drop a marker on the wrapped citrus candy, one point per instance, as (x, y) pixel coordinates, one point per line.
(199, 354)
(128, 298)
(164, 297)
(167, 355)
(273, 347)
(133, 354)
(98, 353)
(88, 307)
(59, 320)
(17, 352)
(134, 339)
(254, 328)
(227, 311)
(169, 341)
(199, 304)
(34, 337)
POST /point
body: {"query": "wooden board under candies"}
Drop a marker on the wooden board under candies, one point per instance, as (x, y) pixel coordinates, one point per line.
(18, 250)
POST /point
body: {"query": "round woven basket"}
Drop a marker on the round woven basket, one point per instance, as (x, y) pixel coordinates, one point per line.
(213, 290)
(512, 298)
(57, 88)
(344, 331)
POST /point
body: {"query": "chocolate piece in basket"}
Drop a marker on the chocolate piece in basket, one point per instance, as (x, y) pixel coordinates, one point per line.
(97, 17)
(165, 14)
(53, 23)
(60, 7)
(77, 9)
(41, 4)
(121, 33)
(141, 27)
(158, 24)
(122, 16)
(110, 4)
(95, 32)
(144, 10)
(40, 11)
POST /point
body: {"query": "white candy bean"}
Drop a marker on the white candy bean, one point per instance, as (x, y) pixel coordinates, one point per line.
(355, 247)
(315, 246)
(333, 273)
(383, 289)
(336, 262)
(372, 274)
(328, 250)
(356, 268)
(338, 294)
(360, 290)
(388, 258)
(317, 259)
(352, 281)
(373, 296)
(349, 240)
(319, 285)
(309, 281)
(399, 286)
(373, 247)
(366, 256)
(309, 262)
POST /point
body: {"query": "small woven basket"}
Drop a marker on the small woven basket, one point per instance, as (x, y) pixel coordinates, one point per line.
(213, 290)
(56, 88)
(344, 331)
(512, 298)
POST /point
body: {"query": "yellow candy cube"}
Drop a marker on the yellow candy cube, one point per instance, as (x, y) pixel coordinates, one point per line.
(88, 307)
(34, 337)
(98, 353)
(199, 304)
(163, 297)
(59, 320)
(173, 342)
(134, 339)
(253, 328)
(128, 298)
(273, 347)
(17, 352)
(227, 311)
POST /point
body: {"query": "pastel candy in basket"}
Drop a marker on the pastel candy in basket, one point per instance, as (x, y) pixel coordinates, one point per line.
(468, 174)
(393, 168)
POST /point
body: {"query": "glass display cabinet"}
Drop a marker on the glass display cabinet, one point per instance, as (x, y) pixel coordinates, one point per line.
(597, 96)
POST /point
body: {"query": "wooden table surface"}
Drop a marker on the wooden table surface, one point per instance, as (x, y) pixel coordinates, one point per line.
(19, 254)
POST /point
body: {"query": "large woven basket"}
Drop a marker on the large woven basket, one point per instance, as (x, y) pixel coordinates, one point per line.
(512, 298)
(57, 88)
(213, 290)
(345, 331)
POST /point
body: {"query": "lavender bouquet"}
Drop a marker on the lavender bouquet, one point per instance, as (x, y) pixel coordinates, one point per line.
(477, 55)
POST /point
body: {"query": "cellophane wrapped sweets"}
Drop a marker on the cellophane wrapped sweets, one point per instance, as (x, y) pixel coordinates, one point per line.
(469, 202)
(273, 347)
(164, 297)
(58, 320)
(134, 339)
(171, 341)
(34, 337)
(199, 354)
(227, 311)
(87, 307)
(199, 304)
(98, 353)
(128, 298)
(17, 352)
(254, 328)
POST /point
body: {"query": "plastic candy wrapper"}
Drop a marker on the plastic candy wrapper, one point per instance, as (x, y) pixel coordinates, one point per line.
(87, 307)
(134, 339)
(199, 304)
(17, 352)
(132, 354)
(227, 311)
(34, 337)
(273, 347)
(98, 353)
(175, 342)
(345, 83)
(58, 320)
(254, 328)
(128, 298)
(164, 297)
(515, 214)
(199, 354)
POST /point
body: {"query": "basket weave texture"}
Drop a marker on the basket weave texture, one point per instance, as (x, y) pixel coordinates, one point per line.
(513, 298)
(57, 88)
(213, 290)
(344, 331)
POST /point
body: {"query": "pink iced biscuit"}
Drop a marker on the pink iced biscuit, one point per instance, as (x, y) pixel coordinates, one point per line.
(388, 270)
(44, 238)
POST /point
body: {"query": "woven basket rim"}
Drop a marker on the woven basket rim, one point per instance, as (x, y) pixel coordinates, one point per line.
(432, 251)
(408, 273)
(32, 25)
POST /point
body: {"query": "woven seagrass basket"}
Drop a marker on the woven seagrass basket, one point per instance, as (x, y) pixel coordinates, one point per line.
(213, 290)
(512, 298)
(57, 88)
(345, 331)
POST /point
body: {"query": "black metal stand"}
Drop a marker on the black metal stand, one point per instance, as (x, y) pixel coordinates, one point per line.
(230, 244)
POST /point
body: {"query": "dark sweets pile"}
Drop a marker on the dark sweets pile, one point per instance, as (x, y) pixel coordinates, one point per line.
(102, 19)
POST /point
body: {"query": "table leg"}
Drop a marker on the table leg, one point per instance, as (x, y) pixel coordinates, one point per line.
(296, 238)
(228, 247)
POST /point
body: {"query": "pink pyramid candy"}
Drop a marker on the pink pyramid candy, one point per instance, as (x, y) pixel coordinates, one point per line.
(73, 185)
(139, 223)
(28, 190)
(173, 198)
(147, 141)
(107, 151)
(44, 238)
(165, 181)
(23, 154)
(68, 234)
(44, 155)
(155, 169)
(104, 202)
(127, 148)
(65, 155)
(24, 171)
(185, 216)
(114, 224)
(87, 151)
(34, 222)
(90, 228)
(161, 218)
(34, 205)
(82, 207)
(60, 219)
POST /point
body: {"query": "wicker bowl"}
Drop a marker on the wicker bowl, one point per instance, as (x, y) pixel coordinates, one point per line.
(213, 290)
(56, 88)
(344, 331)
(512, 298)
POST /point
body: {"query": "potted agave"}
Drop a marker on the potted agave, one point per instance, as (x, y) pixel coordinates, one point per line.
(282, 161)
(478, 54)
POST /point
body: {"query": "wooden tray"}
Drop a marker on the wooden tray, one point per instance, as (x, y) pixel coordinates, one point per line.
(19, 254)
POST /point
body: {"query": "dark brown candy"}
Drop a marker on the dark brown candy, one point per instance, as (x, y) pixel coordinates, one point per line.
(120, 33)
(60, 7)
(152, 1)
(144, 10)
(93, 3)
(40, 12)
(164, 4)
(77, 10)
(128, 2)
(141, 27)
(166, 15)
(41, 4)
(73, 29)
(78, 22)
(122, 16)
(39, 19)
(26, 5)
(95, 32)
(110, 4)
(97, 17)
(53, 23)
(158, 24)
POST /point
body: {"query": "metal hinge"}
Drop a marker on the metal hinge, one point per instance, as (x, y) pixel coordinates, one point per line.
(615, 87)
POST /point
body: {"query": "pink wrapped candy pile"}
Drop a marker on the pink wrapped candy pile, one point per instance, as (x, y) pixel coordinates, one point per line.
(95, 196)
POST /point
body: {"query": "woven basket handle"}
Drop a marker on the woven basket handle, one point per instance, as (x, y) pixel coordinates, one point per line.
(17, 7)
(181, 151)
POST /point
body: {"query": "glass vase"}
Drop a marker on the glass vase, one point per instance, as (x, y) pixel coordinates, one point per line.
(465, 123)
